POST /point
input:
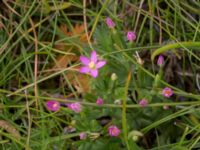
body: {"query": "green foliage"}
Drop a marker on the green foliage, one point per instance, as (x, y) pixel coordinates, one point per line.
(40, 45)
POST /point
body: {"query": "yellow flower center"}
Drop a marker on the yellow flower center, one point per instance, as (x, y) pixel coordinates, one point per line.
(55, 105)
(92, 65)
(114, 131)
(167, 92)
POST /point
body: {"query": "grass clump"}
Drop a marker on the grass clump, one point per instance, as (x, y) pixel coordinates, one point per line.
(81, 75)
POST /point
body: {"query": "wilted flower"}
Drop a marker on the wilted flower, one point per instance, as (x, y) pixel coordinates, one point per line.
(166, 107)
(94, 135)
(99, 101)
(92, 64)
(69, 129)
(113, 130)
(118, 102)
(143, 102)
(138, 59)
(131, 36)
(167, 92)
(82, 135)
(160, 60)
(110, 23)
(76, 107)
(53, 105)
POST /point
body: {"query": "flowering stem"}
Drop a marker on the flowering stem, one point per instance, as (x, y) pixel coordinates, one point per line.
(165, 48)
(187, 95)
(130, 45)
(124, 110)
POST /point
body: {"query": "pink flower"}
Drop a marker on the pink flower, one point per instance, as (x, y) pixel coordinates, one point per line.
(131, 36)
(76, 107)
(110, 23)
(143, 102)
(53, 105)
(160, 60)
(113, 130)
(167, 92)
(99, 101)
(91, 65)
(82, 135)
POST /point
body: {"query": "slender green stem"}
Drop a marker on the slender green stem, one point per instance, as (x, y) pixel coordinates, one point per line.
(97, 18)
(124, 122)
(175, 45)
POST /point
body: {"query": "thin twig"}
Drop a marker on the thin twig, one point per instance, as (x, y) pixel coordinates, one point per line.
(29, 121)
(137, 20)
(85, 23)
(160, 24)
(36, 63)
(197, 81)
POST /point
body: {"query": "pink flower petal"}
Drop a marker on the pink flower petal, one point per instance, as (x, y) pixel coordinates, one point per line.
(99, 101)
(76, 107)
(94, 73)
(53, 105)
(113, 130)
(160, 60)
(167, 92)
(82, 135)
(84, 60)
(94, 56)
(110, 23)
(84, 69)
(131, 36)
(143, 102)
(100, 64)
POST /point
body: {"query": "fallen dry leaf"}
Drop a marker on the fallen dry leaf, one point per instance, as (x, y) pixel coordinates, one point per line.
(79, 81)
(78, 30)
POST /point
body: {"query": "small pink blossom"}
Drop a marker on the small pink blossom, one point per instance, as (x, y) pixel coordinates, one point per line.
(53, 105)
(131, 36)
(114, 130)
(160, 60)
(91, 65)
(76, 107)
(110, 23)
(167, 92)
(82, 135)
(99, 101)
(143, 102)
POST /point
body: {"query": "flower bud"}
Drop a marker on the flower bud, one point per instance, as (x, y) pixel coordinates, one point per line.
(131, 36)
(160, 60)
(118, 102)
(99, 101)
(143, 102)
(110, 23)
(82, 135)
(135, 135)
(113, 77)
